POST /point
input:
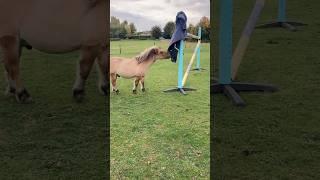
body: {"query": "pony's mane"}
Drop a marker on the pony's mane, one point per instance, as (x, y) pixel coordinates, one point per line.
(146, 54)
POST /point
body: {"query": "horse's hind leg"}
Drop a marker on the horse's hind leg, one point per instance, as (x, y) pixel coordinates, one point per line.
(87, 57)
(10, 49)
(135, 85)
(103, 68)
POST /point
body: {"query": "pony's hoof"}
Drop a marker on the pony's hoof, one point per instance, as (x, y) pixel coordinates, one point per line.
(10, 91)
(104, 90)
(116, 91)
(143, 90)
(134, 91)
(78, 94)
(23, 97)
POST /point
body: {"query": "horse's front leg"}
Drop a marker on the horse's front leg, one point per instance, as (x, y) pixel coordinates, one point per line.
(10, 49)
(87, 57)
(113, 78)
(103, 68)
(142, 84)
(135, 85)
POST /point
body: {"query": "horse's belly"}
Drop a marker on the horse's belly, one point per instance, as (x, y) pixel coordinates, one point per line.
(128, 70)
(61, 26)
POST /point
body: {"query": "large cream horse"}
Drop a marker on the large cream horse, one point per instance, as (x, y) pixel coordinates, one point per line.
(54, 26)
(135, 68)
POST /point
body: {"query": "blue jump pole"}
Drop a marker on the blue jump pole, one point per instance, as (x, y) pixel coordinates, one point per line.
(180, 64)
(198, 52)
(282, 19)
(180, 88)
(225, 84)
(225, 41)
(282, 10)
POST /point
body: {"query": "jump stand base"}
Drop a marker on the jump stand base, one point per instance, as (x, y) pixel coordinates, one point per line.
(198, 69)
(181, 90)
(232, 90)
(291, 26)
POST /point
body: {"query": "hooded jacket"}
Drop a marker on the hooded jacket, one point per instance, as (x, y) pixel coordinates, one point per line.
(179, 34)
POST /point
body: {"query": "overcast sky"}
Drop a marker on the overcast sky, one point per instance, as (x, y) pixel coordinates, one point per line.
(147, 13)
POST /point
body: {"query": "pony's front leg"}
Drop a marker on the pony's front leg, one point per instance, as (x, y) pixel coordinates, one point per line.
(135, 85)
(87, 57)
(114, 83)
(142, 84)
(103, 68)
(10, 49)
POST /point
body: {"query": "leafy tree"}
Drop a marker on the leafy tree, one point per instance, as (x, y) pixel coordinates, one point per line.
(156, 32)
(168, 30)
(114, 26)
(132, 28)
(205, 28)
(192, 29)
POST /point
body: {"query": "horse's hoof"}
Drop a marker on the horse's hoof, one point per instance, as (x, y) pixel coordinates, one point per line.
(143, 90)
(116, 91)
(78, 94)
(134, 91)
(23, 97)
(104, 90)
(10, 91)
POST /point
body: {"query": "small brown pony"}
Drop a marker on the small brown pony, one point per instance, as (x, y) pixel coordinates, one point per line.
(136, 67)
(55, 26)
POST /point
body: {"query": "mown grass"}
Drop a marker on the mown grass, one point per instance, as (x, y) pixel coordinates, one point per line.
(155, 135)
(54, 137)
(277, 136)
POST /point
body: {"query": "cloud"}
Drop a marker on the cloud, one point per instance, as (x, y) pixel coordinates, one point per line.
(148, 13)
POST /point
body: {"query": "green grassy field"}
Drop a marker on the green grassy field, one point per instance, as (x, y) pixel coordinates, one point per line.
(155, 135)
(54, 137)
(277, 136)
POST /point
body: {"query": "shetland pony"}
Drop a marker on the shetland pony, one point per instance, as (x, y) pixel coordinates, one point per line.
(54, 26)
(135, 68)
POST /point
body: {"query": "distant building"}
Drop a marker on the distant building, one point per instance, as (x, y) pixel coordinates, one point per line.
(141, 35)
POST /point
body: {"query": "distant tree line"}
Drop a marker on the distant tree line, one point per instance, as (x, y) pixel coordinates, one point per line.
(123, 30)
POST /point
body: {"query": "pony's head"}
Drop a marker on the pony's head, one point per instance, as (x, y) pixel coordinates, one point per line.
(153, 53)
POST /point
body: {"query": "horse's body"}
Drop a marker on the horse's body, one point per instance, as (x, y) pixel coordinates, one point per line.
(54, 26)
(136, 67)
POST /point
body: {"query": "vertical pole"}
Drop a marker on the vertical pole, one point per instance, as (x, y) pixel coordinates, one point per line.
(282, 11)
(225, 41)
(180, 64)
(198, 52)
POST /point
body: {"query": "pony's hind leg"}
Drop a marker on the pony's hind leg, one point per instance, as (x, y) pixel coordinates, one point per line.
(10, 49)
(135, 85)
(87, 57)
